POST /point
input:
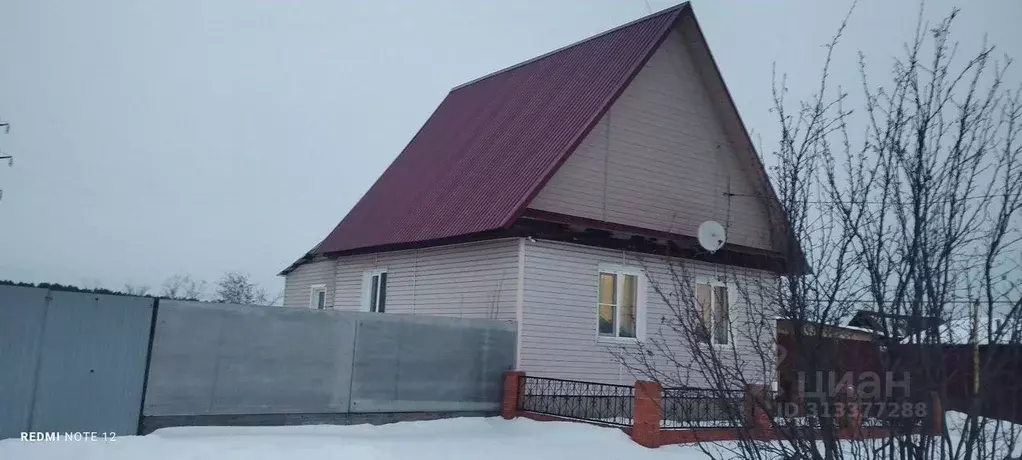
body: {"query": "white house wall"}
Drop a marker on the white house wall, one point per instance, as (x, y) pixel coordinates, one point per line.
(471, 280)
(298, 283)
(660, 159)
(559, 329)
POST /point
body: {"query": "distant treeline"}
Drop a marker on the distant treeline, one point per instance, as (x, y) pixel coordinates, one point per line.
(71, 288)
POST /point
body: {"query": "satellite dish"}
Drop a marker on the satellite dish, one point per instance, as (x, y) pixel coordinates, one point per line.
(711, 235)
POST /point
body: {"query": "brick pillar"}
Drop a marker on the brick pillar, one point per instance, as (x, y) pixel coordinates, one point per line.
(852, 413)
(800, 404)
(937, 412)
(514, 382)
(756, 416)
(646, 413)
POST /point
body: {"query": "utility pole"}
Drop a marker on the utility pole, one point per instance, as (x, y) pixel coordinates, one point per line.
(975, 347)
(9, 158)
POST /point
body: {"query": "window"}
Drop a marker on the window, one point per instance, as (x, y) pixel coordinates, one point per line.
(317, 296)
(619, 301)
(374, 298)
(713, 306)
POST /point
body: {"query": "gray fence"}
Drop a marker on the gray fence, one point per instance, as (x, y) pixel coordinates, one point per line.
(80, 362)
(215, 363)
(71, 361)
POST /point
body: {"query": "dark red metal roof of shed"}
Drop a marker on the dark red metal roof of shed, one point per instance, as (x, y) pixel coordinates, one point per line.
(493, 143)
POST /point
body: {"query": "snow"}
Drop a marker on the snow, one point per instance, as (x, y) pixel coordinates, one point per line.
(451, 439)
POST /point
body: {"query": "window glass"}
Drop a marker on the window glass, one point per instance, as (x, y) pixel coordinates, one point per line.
(608, 304)
(720, 315)
(373, 291)
(628, 301)
(381, 305)
(608, 288)
(704, 305)
(607, 313)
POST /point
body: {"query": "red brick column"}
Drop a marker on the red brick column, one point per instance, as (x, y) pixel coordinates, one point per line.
(514, 383)
(854, 414)
(756, 416)
(800, 404)
(937, 412)
(646, 414)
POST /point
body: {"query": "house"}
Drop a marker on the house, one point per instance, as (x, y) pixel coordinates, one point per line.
(547, 194)
(894, 325)
(787, 326)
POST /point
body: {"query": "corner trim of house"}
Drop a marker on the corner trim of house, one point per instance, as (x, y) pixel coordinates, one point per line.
(520, 303)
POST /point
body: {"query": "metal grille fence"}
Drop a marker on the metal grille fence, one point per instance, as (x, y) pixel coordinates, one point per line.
(685, 407)
(599, 403)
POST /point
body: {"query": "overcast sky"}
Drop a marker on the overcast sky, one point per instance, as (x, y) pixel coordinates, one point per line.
(162, 137)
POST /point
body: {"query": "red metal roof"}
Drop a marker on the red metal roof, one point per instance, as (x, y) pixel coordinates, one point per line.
(493, 143)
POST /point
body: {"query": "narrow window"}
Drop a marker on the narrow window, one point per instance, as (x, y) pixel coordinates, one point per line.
(608, 304)
(618, 303)
(721, 321)
(713, 306)
(705, 305)
(375, 299)
(317, 297)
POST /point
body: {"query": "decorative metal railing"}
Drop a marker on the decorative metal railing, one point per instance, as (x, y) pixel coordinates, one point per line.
(599, 403)
(685, 407)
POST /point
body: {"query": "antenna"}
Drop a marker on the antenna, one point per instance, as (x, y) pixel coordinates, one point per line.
(712, 235)
(9, 158)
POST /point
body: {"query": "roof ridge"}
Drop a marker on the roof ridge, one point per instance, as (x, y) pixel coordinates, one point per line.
(572, 45)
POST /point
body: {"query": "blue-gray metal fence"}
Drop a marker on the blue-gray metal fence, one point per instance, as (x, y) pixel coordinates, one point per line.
(71, 361)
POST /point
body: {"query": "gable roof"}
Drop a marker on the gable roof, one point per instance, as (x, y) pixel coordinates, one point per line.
(494, 142)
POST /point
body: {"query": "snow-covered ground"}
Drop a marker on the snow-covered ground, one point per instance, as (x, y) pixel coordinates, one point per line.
(453, 439)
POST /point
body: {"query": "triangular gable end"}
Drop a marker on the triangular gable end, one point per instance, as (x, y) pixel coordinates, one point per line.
(669, 154)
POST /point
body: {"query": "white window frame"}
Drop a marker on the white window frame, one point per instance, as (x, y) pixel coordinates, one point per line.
(312, 296)
(640, 302)
(713, 282)
(367, 284)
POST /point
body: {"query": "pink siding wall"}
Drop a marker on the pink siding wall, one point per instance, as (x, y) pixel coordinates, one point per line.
(661, 159)
(559, 322)
(471, 280)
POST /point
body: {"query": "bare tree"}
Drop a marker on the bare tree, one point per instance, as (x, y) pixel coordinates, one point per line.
(194, 290)
(909, 208)
(136, 289)
(237, 287)
(276, 300)
(183, 287)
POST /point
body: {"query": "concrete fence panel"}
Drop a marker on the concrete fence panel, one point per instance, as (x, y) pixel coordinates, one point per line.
(409, 363)
(232, 360)
(218, 359)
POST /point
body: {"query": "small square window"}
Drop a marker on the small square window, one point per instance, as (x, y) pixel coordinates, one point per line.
(317, 297)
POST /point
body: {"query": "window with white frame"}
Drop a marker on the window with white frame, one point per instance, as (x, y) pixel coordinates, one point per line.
(374, 284)
(619, 302)
(713, 305)
(317, 296)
